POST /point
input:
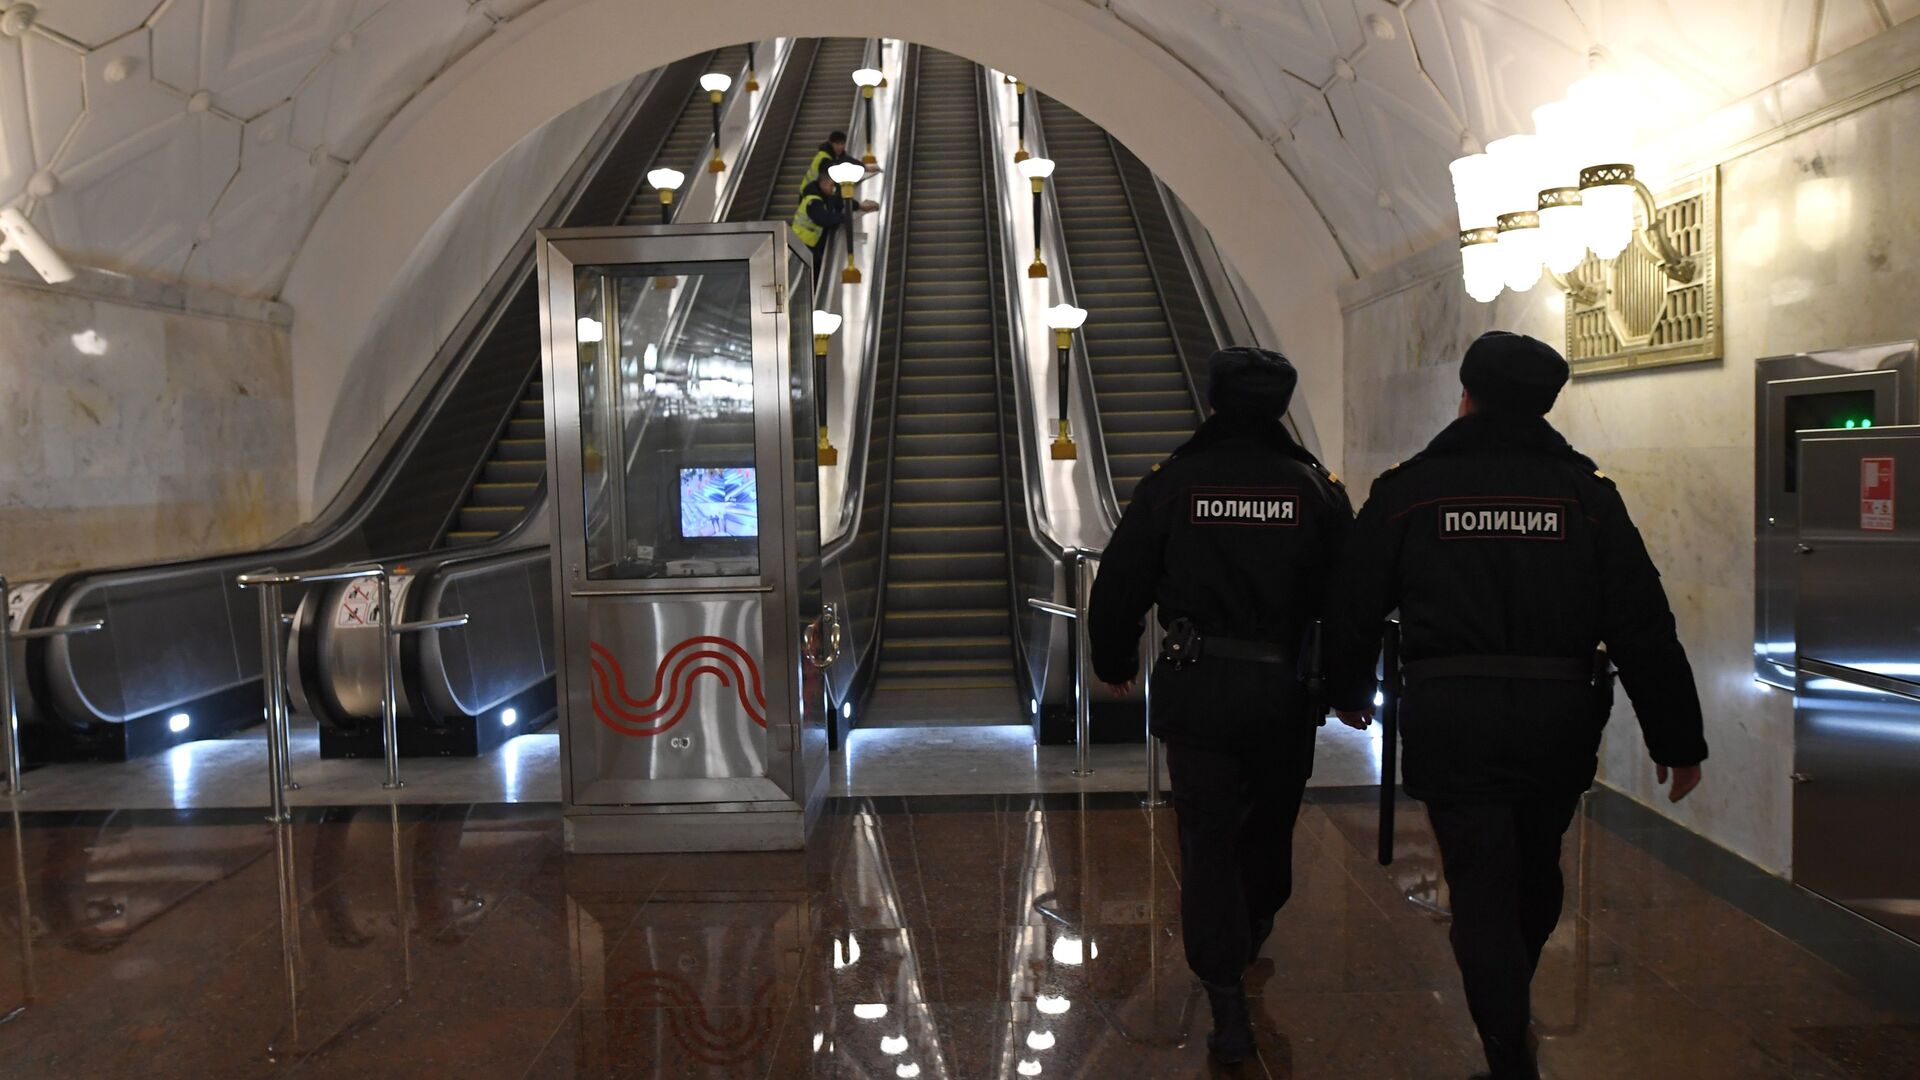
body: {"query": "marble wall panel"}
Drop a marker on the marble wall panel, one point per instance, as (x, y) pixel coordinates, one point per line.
(131, 434)
(1822, 245)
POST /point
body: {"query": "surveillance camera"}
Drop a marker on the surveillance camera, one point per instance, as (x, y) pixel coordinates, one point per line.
(22, 237)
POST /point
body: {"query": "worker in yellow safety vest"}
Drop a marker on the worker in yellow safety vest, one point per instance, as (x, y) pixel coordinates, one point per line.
(822, 210)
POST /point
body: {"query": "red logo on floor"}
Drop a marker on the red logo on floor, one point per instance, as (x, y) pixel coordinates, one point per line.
(673, 685)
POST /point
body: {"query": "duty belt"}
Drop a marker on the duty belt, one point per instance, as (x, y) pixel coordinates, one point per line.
(1263, 652)
(1543, 668)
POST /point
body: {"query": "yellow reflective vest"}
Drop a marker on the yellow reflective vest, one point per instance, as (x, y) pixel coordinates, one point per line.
(820, 160)
(804, 227)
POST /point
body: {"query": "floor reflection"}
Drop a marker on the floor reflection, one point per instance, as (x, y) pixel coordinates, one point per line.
(946, 938)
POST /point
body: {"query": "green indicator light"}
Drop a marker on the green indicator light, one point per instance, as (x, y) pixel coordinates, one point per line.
(1850, 423)
(1866, 423)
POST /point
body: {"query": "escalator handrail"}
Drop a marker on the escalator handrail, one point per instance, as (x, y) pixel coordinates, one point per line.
(853, 494)
(1227, 315)
(1157, 274)
(723, 200)
(901, 217)
(1093, 443)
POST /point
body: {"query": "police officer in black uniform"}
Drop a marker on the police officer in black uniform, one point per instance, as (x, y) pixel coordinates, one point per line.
(1233, 538)
(1511, 558)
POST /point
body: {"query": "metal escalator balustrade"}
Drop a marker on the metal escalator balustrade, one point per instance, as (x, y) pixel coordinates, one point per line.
(1140, 383)
(945, 622)
(456, 430)
(505, 489)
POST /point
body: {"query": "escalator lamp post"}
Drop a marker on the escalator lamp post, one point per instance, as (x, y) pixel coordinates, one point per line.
(1036, 170)
(666, 182)
(846, 174)
(1020, 112)
(716, 83)
(753, 77)
(825, 323)
(867, 78)
(1063, 320)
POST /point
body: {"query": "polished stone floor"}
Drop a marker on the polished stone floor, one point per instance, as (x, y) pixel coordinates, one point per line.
(918, 760)
(992, 936)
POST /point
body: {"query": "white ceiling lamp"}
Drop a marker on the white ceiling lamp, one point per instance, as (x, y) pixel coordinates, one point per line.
(1599, 112)
(1563, 233)
(1473, 196)
(1515, 175)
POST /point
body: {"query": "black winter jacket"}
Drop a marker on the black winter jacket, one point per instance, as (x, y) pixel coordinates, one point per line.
(1499, 539)
(1237, 532)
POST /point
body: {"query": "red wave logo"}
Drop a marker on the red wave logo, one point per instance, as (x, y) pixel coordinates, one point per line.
(673, 685)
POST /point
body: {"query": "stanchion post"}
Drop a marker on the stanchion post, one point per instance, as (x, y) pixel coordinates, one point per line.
(389, 698)
(1083, 668)
(271, 701)
(1154, 797)
(6, 689)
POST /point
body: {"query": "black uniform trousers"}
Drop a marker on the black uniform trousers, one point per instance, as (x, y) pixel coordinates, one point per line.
(1502, 861)
(1236, 813)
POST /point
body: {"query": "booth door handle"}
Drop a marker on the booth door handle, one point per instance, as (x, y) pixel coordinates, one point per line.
(824, 630)
(1799, 777)
(1803, 549)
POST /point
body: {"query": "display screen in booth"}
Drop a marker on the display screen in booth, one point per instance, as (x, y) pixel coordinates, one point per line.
(718, 503)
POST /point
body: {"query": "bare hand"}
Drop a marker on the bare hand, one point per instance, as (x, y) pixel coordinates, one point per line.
(1120, 689)
(1685, 779)
(869, 206)
(1357, 719)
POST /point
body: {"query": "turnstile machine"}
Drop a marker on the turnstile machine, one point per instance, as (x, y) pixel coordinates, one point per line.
(1856, 794)
(691, 635)
(1869, 386)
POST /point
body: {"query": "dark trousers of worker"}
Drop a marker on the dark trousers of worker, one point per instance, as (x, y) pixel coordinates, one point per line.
(1236, 814)
(1502, 862)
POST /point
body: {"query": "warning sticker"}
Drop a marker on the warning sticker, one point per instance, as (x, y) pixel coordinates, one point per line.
(1876, 493)
(360, 606)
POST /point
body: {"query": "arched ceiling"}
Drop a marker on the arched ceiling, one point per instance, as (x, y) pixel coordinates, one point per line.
(196, 141)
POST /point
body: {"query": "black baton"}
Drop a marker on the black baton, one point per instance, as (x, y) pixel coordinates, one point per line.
(1390, 686)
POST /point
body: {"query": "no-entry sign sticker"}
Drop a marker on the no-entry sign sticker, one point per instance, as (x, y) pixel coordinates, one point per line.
(1876, 493)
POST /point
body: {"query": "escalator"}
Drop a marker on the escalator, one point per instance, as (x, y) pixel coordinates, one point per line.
(825, 99)
(467, 469)
(507, 486)
(945, 623)
(1141, 378)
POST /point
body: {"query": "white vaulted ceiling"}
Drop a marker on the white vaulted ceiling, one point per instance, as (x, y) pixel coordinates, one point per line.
(196, 141)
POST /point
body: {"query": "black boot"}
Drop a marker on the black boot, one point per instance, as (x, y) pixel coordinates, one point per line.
(1232, 1040)
(1511, 1059)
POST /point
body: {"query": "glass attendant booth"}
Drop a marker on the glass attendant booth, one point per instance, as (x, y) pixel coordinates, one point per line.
(692, 638)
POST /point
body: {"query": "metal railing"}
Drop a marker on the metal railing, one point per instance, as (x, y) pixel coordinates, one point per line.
(273, 674)
(7, 637)
(1081, 559)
